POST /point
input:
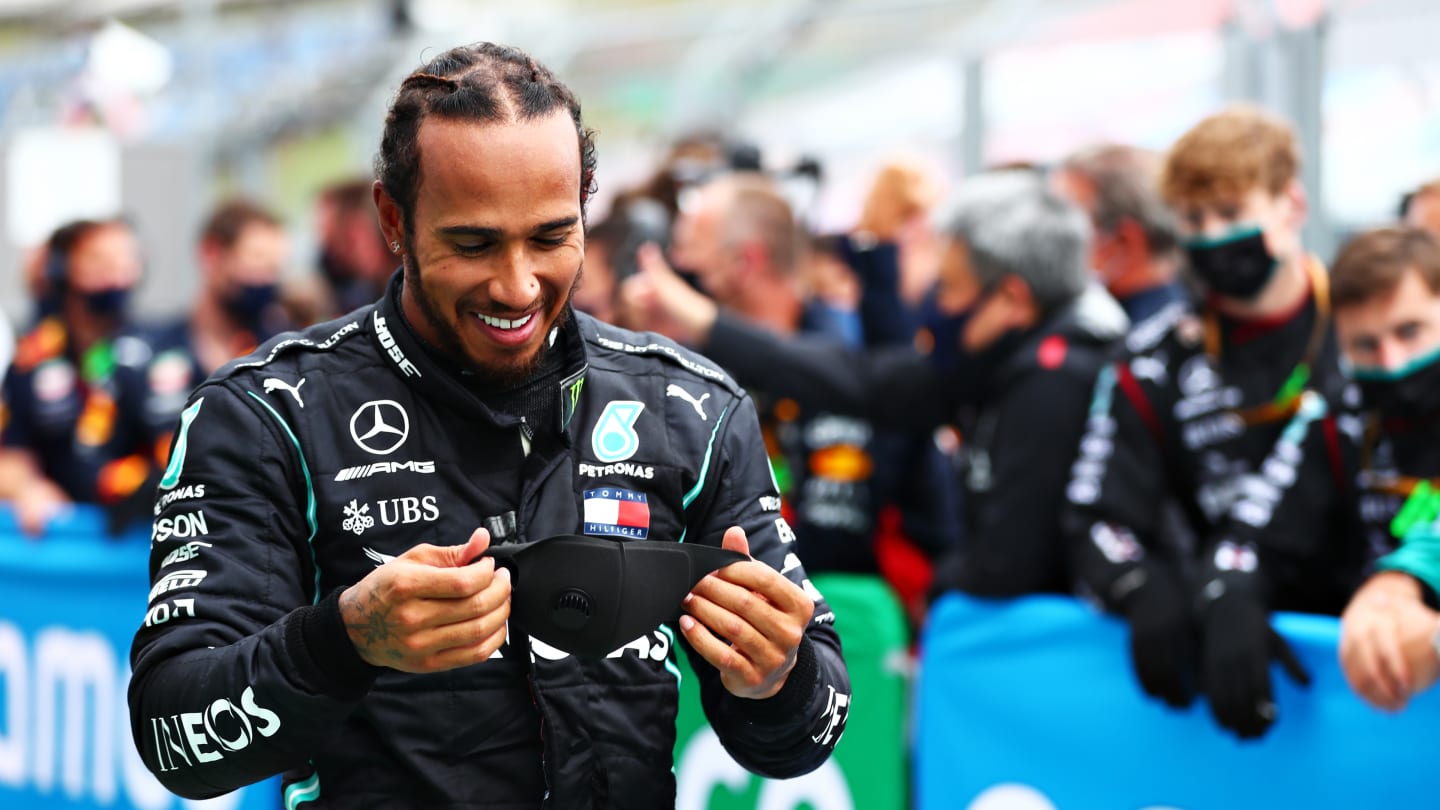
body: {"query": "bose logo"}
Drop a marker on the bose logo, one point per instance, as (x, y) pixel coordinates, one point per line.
(388, 341)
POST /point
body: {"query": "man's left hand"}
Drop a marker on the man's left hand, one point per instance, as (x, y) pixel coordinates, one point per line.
(747, 620)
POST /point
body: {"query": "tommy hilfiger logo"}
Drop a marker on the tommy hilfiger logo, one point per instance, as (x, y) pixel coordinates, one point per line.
(614, 512)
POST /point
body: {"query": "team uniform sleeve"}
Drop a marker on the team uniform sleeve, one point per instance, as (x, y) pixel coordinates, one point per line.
(890, 387)
(1011, 545)
(241, 667)
(1117, 487)
(795, 730)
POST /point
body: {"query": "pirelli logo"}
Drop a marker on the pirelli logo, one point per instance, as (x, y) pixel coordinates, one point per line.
(384, 468)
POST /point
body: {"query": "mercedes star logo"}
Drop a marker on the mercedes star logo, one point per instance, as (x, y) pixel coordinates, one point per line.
(379, 426)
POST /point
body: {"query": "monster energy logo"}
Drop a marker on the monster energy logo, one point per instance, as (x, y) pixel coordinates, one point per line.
(570, 397)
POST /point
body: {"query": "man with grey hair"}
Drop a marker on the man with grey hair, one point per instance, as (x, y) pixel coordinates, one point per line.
(1015, 336)
(1136, 249)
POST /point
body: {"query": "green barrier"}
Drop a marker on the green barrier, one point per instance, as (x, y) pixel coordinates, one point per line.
(869, 768)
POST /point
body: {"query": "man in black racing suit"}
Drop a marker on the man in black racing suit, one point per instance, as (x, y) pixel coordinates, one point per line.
(314, 611)
(1208, 487)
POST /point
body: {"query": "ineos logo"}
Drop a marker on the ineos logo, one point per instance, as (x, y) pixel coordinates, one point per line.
(380, 426)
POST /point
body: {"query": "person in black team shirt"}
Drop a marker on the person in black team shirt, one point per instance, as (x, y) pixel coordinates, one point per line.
(1387, 315)
(315, 609)
(67, 435)
(1226, 410)
(739, 237)
(1018, 337)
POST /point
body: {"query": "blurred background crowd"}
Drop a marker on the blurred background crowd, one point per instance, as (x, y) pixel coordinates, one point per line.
(1034, 297)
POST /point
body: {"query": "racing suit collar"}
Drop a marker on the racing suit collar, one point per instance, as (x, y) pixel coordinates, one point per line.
(422, 368)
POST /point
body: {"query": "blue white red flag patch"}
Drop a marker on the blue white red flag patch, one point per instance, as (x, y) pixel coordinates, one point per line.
(617, 513)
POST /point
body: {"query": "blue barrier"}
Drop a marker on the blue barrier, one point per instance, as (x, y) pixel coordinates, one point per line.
(1031, 705)
(69, 604)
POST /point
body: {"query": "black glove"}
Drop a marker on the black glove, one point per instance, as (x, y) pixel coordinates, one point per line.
(1162, 637)
(1238, 647)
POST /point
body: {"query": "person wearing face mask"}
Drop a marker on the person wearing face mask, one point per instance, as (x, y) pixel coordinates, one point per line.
(1387, 314)
(241, 253)
(1015, 335)
(63, 429)
(1228, 409)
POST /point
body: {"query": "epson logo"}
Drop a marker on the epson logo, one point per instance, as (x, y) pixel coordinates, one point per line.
(388, 341)
(177, 581)
(621, 468)
(385, 468)
(194, 738)
(188, 524)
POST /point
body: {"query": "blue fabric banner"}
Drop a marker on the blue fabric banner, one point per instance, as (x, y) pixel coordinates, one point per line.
(1031, 705)
(71, 603)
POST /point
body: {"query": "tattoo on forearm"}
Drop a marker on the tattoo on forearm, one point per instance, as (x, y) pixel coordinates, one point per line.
(368, 619)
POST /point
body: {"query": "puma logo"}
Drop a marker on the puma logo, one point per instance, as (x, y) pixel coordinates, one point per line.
(674, 390)
(271, 384)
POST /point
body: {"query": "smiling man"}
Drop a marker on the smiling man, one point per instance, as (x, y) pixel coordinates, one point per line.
(315, 609)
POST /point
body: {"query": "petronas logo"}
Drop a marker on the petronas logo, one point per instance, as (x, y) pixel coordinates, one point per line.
(182, 443)
(614, 438)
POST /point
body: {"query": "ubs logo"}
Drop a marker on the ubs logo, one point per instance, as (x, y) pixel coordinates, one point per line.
(380, 426)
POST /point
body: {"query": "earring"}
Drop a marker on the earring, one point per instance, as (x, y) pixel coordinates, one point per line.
(394, 247)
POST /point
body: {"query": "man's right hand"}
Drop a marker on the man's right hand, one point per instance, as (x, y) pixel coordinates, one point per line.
(1386, 648)
(657, 299)
(429, 609)
(38, 503)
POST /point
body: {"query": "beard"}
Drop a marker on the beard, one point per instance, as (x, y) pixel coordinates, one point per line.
(502, 375)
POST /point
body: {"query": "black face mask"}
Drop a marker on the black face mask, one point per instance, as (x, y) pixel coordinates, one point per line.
(107, 303)
(248, 305)
(1236, 265)
(590, 596)
(1409, 392)
(966, 374)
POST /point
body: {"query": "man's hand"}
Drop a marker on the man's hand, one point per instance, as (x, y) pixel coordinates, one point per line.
(1162, 639)
(429, 609)
(1386, 648)
(1239, 645)
(659, 300)
(761, 614)
(38, 503)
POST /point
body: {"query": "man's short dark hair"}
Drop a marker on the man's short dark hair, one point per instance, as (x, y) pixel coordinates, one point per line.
(483, 82)
(1374, 262)
(232, 217)
(63, 241)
